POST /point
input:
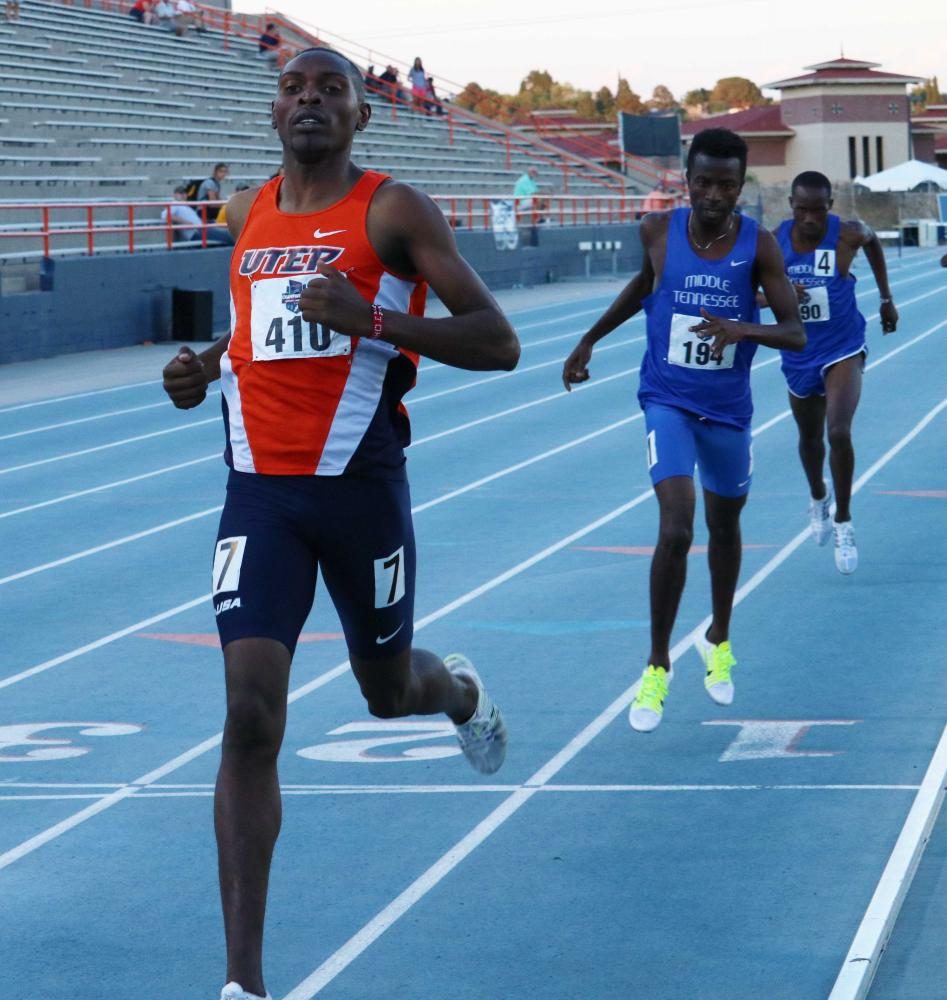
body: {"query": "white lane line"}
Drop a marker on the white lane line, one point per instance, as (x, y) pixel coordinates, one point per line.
(861, 963)
(98, 416)
(474, 383)
(105, 640)
(105, 546)
(433, 437)
(69, 823)
(575, 442)
(377, 926)
(111, 444)
(78, 395)
(21, 792)
(110, 486)
(429, 879)
(509, 470)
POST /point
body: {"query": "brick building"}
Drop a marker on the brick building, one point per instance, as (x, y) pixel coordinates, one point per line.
(844, 118)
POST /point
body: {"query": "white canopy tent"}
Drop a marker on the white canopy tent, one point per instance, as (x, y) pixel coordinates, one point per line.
(908, 176)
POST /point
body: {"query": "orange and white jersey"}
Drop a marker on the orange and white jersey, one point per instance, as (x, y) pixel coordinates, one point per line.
(300, 398)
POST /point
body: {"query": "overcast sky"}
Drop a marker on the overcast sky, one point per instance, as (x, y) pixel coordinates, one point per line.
(683, 44)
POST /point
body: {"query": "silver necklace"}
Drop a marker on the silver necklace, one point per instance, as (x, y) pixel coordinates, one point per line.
(707, 246)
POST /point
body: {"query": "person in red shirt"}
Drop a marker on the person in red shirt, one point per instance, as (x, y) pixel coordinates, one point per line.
(329, 272)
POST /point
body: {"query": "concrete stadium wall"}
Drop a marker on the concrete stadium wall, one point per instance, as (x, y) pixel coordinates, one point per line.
(92, 303)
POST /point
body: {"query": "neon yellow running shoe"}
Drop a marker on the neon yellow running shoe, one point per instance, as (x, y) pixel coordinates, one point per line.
(648, 706)
(719, 660)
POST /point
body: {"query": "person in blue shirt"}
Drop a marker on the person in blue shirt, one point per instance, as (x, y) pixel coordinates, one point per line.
(702, 267)
(825, 379)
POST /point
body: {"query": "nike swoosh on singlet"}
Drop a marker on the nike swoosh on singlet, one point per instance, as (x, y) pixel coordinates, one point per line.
(318, 234)
(379, 641)
(737, 263)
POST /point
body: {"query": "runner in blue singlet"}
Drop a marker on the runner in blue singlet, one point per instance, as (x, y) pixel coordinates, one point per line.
(825, 379)
(702, 267)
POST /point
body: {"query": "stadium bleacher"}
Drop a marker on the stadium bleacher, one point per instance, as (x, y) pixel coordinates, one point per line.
(124, 111)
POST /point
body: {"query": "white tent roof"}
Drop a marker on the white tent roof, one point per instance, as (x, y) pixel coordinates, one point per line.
(905, 177)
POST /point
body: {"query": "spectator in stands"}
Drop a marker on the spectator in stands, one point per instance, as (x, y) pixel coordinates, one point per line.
(432, 103)
(269, 43)
(164, 14)
(141, 11)
(659, 199)
(528, 206)
(182, 214)
(11, 10)
(187, 15)
(390, 83)
(417, 77)
(210, 189)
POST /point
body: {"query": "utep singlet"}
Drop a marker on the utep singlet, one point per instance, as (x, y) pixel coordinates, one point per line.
(677, 369)
(300, 398)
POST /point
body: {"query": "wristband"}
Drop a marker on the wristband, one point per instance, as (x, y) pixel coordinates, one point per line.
(378, 322)
(885, 302)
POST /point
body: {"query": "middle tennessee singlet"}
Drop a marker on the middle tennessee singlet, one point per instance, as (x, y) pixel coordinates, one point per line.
(300, 398)
(677, 369)
(834, 326)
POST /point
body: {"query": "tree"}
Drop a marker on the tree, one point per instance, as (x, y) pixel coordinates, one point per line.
(604, 104)
(488, 103)
(627, 100)
(662, 99)
(735, 92)
(697, 100)
(926, 93)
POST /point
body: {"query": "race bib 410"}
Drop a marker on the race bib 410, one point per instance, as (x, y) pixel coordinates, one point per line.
(277, 328)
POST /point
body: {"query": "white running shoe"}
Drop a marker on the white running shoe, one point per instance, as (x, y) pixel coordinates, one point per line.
(719, 661)
(846, 555)
(820, 522)
(647, 709)
(234, 991)
(483, 736)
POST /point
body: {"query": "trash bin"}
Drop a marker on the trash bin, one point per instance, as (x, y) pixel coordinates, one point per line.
(192, 313)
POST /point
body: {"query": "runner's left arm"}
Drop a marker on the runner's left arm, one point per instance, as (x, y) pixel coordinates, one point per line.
(412, 237)
(787, 333)
(860, 235)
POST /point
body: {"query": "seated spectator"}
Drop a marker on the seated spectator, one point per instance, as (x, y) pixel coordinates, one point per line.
(11, 10)
(658, 199)
(187, 15)
(210, 189)
(432, 103)
(390, 84)
(141, 11)
(164, 14)
(219, 232)
(269, 43)
(180, 214)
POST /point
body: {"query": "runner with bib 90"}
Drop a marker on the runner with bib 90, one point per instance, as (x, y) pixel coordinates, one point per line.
(825, 379)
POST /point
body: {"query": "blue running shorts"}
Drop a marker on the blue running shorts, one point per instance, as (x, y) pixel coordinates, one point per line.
(810, 381)
(277, 531)
(679, 441)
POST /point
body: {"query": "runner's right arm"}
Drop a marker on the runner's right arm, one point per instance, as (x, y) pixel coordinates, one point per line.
(576, 367)
(185, 378)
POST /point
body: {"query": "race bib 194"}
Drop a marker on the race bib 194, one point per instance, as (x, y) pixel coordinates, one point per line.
(689, 351)
(277, 329)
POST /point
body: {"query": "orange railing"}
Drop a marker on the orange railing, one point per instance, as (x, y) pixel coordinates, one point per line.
(48, 222)
(91, 227)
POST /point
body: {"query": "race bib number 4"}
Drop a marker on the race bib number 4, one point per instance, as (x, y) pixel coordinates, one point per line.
(814, 305)
(689, 351)
(277, 329)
